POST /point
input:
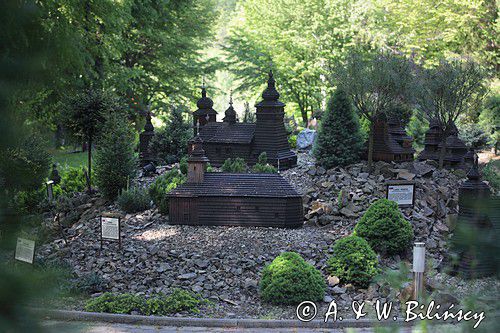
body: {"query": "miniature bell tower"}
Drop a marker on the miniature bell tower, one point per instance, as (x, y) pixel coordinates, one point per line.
(230, 114)
(205, 113)
(270, 133)
(197, 161)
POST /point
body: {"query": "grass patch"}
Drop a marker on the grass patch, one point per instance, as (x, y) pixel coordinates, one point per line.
(64, 157)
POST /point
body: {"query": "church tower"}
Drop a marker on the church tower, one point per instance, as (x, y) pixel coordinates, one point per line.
(270, 133)
(205, 113)
(197, 162)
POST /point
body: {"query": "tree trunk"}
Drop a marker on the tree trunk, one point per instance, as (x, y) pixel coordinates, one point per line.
(442, 152)
(370, 147)
(89, 160)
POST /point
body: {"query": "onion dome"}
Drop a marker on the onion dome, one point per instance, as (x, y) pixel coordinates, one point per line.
(230, 114)
(204, 104)
(270, 95)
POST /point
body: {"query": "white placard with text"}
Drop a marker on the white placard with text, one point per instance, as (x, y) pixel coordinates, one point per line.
(110, 228)
(25, 250)
(402, 194)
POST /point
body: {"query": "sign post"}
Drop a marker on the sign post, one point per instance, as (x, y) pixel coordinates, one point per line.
(401, 192)
(25, 250)
(111, 229)
(50, 190)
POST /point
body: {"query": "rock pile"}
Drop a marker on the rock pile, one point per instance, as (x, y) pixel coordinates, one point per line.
(223, 264)
(340, 196)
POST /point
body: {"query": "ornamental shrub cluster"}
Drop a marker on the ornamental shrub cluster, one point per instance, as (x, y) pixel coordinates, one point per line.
(353, 261)
(162, 185)
(262, 166)
(236, 165)
(384, 227)
(290, 280)
(73, 180)
(134, 200)
(159, 304)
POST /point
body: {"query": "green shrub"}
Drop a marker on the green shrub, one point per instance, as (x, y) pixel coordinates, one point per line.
(473, 136)
(169, 143)
(179, 301)
(289, 279)
(116, 303)
(353, 261)
(183, 165)
(339, 139)
(25, 165)
(491, 174)
(134, 200)
(162, 185)
(115, 161)
(384, 227)
(236, 165)
(262, 166)
(89, 283)
(292, 141)
(73, 180)
(158, 304)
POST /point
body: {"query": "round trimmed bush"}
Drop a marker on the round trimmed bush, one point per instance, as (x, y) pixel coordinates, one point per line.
(290, 280)
(384, 227)
(353, 261)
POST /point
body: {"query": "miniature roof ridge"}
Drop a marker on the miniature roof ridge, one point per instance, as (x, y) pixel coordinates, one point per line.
(239, 185)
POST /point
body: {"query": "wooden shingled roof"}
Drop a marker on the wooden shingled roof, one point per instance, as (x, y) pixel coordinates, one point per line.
(242, 133)
(221, 184)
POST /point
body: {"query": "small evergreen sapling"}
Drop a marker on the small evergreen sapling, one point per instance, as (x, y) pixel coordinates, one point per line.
(115, 160)
(339, 140)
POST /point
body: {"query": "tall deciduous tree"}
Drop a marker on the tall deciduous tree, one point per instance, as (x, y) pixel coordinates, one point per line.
(374, 82)
(449, 91)
(339, 141)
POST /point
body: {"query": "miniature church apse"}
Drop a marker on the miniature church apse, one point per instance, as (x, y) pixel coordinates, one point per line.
(232, 139)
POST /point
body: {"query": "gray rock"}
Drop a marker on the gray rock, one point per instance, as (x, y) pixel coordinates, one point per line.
(306, 138)
(338, 290)
(187, 276)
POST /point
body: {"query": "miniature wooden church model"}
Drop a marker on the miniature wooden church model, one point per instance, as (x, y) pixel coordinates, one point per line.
(390, 142)
(242, 199)
(456, 151)
(231, 139)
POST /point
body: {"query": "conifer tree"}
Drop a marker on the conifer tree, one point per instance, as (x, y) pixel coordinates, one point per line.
(339, 140)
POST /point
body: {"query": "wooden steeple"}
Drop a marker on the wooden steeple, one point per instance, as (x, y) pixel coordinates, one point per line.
(197, 161)
(230, 114)
(270, 133)
(205, 112)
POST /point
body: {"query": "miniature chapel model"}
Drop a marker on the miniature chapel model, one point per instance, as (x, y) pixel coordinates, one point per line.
(456, 151)
(241, 199)
(231, 139)
(390, 142)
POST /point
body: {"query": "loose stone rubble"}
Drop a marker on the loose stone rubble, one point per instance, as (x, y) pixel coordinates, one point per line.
(223, 264)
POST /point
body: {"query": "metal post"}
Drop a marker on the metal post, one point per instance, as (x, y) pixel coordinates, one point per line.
(418, 270)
